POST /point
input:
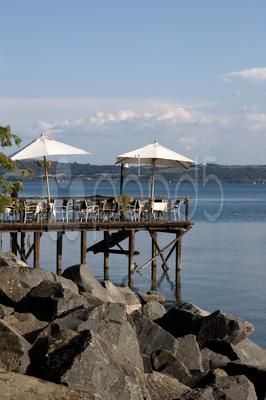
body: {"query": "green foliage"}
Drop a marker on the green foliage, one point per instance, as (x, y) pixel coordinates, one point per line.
(47, 163)
(8, 189)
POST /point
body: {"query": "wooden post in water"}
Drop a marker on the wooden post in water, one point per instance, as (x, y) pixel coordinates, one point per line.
(131, 251)
(22, 246)
(187, 208)
(59, 251)
(106, 257)
(36, 254)
(14, 240)
(83, 247)
(178, 268)
(153, 263)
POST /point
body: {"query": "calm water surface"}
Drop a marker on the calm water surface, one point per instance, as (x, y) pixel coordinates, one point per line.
(224, 255)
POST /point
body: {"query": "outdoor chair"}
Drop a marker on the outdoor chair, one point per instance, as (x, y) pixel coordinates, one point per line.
(89, 211)
(134, 210)
(176, 210)
(32, 212)
(110, 210)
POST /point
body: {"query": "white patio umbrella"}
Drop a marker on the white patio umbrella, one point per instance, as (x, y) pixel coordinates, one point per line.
(45, 146)
(154, 154)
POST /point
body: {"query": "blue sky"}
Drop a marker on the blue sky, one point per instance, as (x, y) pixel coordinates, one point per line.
(114, 75)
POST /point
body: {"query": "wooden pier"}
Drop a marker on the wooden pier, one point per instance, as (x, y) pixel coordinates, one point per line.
(118, 238)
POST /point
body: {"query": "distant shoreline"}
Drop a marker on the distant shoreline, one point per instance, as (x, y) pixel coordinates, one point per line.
(248, 174)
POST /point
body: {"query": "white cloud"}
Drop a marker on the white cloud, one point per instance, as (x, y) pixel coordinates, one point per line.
(107, 127)
(252, 74)
(257, 121)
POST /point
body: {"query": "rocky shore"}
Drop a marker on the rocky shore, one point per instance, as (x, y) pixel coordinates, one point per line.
(72, 338)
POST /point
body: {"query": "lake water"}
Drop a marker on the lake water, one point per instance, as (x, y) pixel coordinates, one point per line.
(224, 255)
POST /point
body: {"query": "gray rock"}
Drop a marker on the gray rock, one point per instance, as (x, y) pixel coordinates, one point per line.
(153, 310)
(123, 295)
(223, 326)
(198, 394)
(186, 306)
(152, 337)
(26, 324)
(211, 360)
(84, 361)
(86, 282)
(234, 387)
(34, 276)
(255, 374)
(108, 320)
(49, 299)
(13, 349)
(182, 320)
(165, 362)
(189, 353)
(248, 352)
(8, 259)
(151, 296)
(163, 387)
(5, 311)
(12, 290)
(21, 387)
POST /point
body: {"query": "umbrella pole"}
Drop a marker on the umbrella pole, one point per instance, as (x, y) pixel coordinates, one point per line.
(152, 179)
(121, 179)
(46, 180)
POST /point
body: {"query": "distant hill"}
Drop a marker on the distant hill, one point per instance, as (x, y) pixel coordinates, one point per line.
(225, 173)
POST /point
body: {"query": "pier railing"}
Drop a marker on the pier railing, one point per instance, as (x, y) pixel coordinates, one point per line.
(97, 208)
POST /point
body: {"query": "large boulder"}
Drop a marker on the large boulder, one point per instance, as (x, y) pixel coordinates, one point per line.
(248, 352)
(211, 360)
(83, 360)
(223, 326)
(50, 299)
(151, 295)
(14, 349)
(189, 353)
(12, 290)
(182, 320)
(163, 387)
(233, 387)
(255, 374)
(22, 387)
(8, 259)
(152, 337)
(86, 282)
(123, 295)
(26, 324)
(110, 321)
(153, 310)
(165, 362)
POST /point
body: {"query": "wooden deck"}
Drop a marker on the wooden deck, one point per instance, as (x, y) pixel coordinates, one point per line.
(116, 231)
(157, 225)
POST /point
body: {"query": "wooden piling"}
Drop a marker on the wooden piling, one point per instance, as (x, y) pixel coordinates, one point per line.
(83, 247)
(187, 208)
(14, 241)
(23, 246)
(153, 262)
(36, 254)
(131, 250)
(178, 269)
(59, 251)
(106, 257)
